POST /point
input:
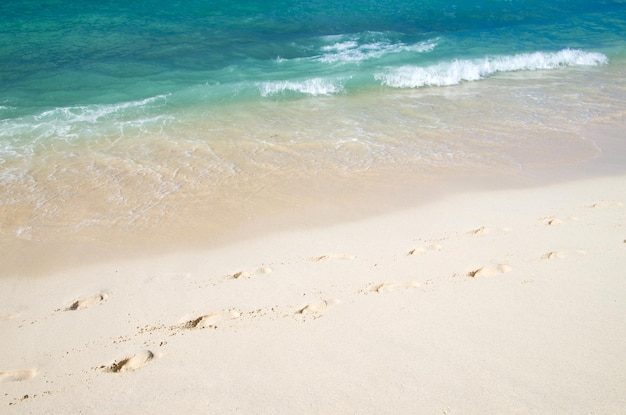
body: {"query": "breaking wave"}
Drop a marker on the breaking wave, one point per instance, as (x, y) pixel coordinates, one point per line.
(457, 71)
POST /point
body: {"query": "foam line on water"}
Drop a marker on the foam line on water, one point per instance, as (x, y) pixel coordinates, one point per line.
(312, 87)
(92, 113)
(351, 51)
(457, 71)
(17, 135)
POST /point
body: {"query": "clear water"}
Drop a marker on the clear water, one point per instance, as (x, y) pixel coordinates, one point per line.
(124, 116)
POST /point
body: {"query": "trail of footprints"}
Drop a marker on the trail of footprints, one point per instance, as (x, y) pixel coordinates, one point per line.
(310, 311)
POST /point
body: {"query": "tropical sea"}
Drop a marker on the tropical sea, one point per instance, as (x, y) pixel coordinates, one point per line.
(146, 122)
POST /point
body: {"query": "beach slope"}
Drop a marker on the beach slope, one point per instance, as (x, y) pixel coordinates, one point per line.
(508, 301)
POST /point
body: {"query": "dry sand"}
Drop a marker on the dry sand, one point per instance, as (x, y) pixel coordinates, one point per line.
(493, 302)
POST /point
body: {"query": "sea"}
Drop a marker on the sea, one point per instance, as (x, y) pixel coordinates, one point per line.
(152, 120)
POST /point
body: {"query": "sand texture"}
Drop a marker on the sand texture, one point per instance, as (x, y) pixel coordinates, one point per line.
(494, 302)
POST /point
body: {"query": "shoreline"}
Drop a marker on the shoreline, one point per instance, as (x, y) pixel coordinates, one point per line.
(215, 178)
(325, 202)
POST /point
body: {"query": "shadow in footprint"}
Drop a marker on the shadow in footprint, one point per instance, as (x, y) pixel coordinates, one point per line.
(606, 204)
(483, 230)
(249, 274)
(422, 250)
(16, 375)
(386, 287)
(210, 320)
(553, 255)
(84, 303)
(332, 256)
(562, 254)
(317, 308)
(131, 363)
(489, 271)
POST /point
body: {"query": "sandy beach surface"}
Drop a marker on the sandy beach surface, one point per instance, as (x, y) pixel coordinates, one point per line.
(484, 302)
(315, 208)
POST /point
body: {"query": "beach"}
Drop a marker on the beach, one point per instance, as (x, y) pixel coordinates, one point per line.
(478, 302)
(490, 286)
(288, 208)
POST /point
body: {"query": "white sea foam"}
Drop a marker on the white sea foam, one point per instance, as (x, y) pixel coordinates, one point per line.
(352, 52)
(92, 113)
(457, 71)
(313, 87)
(72, 122)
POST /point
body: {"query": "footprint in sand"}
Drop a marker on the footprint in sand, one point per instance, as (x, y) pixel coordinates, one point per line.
(386, 287)
(242, 275)
(210, 320)
(423, 250)
(83, 303)
(553, 255)
(9, 315)
(16, 375)
(606, 204)
(332, 256)
(561, 254)
(554, 221)
(131, 363)
(483, 230)
(489, 271)
(317, 308)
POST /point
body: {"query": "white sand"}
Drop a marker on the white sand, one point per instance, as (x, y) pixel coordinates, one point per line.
(508, 302)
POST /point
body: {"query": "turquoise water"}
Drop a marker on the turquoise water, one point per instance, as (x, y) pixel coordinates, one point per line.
(118, 113)
(68, 54)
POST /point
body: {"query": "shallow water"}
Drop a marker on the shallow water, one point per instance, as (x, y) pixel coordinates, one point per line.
(131, 124)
